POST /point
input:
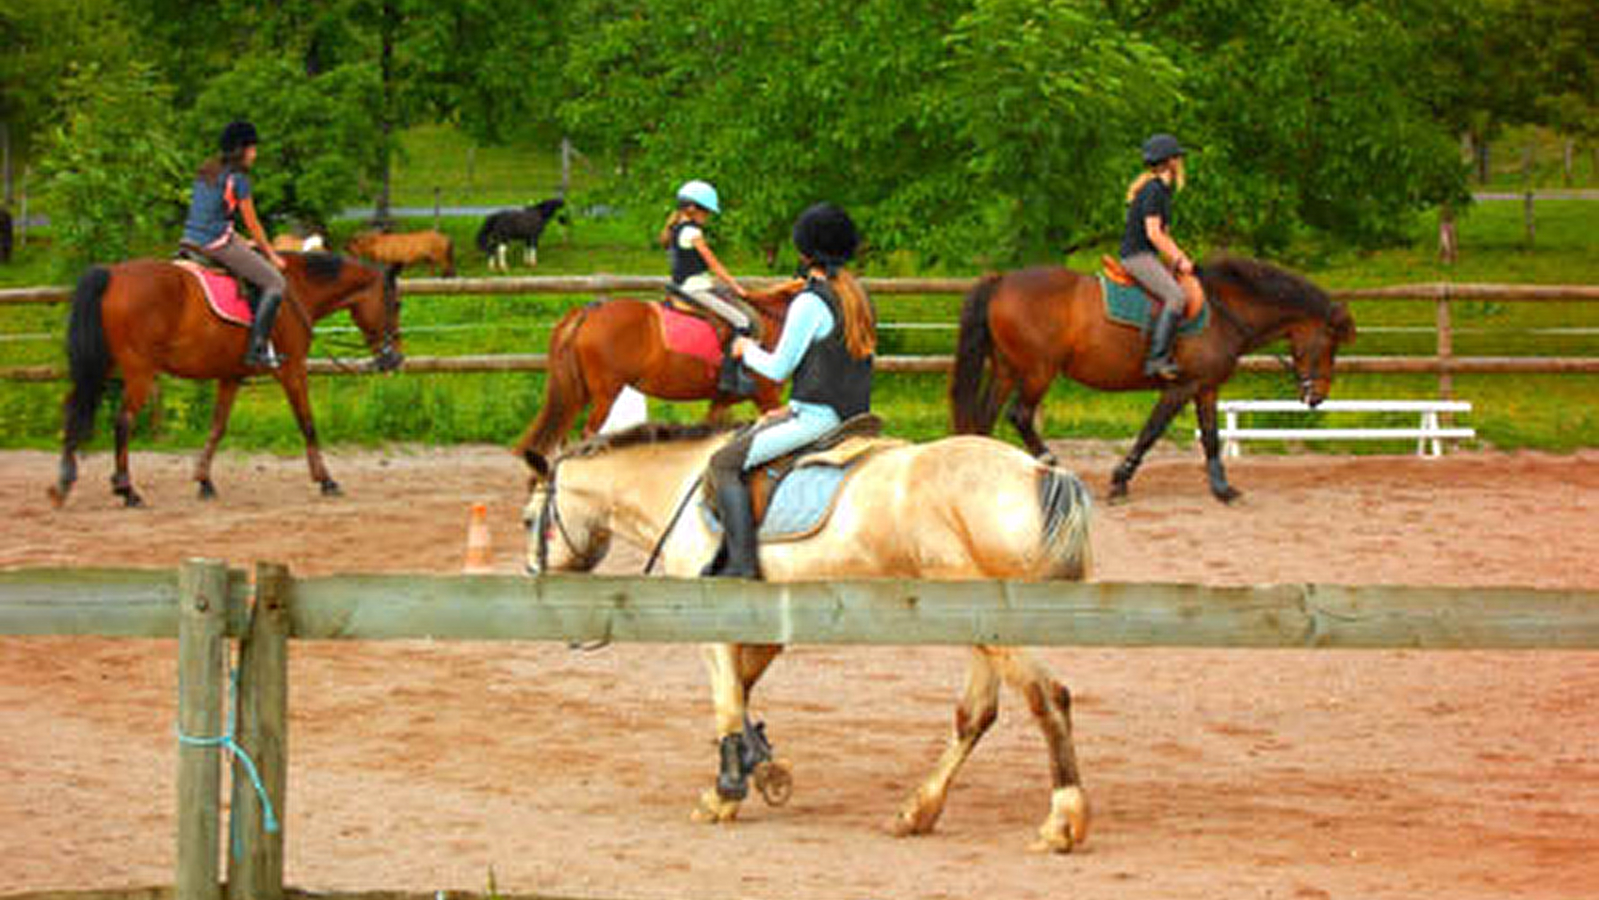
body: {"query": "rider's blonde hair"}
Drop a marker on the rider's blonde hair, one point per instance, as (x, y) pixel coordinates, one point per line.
(1179, 177)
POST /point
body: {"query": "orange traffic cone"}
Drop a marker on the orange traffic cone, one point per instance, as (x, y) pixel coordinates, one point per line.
(479, 557)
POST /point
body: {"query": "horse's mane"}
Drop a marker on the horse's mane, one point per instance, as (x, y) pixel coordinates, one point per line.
(646, 434)
(323, 266)
(1272, 283)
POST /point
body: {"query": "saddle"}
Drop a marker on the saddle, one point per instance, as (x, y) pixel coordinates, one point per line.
(686, 303)
(1128, 303)
(793, 496)
(1114, 271)
(233, 299)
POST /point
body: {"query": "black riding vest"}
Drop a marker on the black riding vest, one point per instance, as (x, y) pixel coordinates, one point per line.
(685, 263)
(828, 374)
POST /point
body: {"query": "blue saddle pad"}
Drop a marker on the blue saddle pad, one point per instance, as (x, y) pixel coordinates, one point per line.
(1129, 305)
(799, 507)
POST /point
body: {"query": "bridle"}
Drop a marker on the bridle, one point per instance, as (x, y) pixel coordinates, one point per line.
(550, 515)
(1251, 337)
(387, 357)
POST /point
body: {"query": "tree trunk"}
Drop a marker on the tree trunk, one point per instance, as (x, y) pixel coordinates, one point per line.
(390, 29)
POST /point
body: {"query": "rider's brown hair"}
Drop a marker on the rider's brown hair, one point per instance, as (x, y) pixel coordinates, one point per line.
(860, 318)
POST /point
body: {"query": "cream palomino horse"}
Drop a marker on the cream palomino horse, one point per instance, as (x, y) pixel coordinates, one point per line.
(960, 508)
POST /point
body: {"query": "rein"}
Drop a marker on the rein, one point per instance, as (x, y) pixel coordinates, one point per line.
(390, 327)
(671, 524)
(1250, 336)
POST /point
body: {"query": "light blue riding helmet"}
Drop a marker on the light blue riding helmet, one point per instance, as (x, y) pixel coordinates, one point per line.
(700, 193)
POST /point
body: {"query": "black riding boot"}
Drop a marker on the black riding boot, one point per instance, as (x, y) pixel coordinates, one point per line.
(1159, 363)
(259, 354)
(739, 556)
(734, 378)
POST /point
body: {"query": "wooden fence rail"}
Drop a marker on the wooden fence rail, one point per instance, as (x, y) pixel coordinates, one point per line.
(1444, 364)
(206, 603)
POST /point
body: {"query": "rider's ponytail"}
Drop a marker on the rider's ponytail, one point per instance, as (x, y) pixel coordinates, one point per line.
(860, 319)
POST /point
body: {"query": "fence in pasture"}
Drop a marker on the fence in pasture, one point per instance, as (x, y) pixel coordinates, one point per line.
(205, 605)
(1444, 363)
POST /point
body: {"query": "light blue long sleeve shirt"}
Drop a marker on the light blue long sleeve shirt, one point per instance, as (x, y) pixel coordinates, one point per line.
(809, 320)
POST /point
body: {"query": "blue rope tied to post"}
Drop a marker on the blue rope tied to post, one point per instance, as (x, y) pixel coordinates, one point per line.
(226, 742)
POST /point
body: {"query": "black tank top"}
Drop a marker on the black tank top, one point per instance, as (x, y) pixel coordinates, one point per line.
(685, 263)
(828, 375)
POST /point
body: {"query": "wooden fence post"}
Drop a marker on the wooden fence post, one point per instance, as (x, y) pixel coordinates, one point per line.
(255, 856)
(1446, 345)
(202, 656)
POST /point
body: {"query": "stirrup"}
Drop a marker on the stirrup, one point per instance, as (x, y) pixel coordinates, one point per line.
(265, 358)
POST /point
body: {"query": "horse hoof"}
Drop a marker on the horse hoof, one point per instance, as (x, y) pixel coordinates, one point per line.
(58, 495)
(1049, 459)
(1067, 826)
(1118, 493)
(330, 488)
(1227, 495)
(918, 815)
(713, 809)
(208, 491)
(131, 499)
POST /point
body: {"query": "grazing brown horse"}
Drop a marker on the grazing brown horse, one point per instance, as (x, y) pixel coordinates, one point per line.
(404, 249)
(148, 316)
(598, 349)
(1020, 329)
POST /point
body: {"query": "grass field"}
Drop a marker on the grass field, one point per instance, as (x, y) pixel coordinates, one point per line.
(1544, 412)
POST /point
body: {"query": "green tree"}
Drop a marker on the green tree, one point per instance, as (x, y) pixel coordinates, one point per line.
(112, 171)
(319, 137)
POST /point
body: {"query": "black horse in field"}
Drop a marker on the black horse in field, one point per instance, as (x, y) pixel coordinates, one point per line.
(507, 225)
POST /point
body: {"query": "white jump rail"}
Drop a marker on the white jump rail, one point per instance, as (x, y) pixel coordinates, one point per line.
(1429, 434)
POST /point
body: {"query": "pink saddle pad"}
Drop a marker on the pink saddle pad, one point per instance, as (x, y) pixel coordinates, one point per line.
(221, 292)
(689, 335)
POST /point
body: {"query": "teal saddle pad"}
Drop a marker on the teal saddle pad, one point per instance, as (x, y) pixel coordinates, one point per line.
(798, 508)
(1131, 306)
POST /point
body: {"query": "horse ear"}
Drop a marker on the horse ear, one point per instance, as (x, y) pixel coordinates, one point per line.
(536, 461)
(1343, 323)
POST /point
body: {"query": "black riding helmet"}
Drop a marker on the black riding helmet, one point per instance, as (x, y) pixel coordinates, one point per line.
(238, 135)
(826, 235)
(1160, 148)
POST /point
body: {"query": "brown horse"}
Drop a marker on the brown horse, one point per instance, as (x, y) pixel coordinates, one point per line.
(148, 316)
(404, 249)
(1020, 329)
(598, 349)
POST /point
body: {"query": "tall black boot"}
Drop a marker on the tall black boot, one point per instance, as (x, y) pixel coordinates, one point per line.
(739, 556)
(734, 378)
(259, 354)
(1159, 363)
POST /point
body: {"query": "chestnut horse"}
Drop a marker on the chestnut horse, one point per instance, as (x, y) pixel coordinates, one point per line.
(406, 248)
(148, 316)
(597, 349)
(958, 509)
(1020, 329)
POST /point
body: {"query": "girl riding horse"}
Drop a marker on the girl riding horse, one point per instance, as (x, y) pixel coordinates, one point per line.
(827, 345)
(1147, 237)
(693, 266)
(221, 188)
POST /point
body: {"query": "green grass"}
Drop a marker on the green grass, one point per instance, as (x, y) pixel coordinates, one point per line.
(1544, 412)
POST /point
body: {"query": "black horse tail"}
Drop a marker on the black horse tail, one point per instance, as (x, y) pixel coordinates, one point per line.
(973, 403)
(1067, 509)
(88, 354)
(565, 391)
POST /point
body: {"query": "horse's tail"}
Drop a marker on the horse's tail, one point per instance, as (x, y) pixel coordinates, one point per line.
(1067, 508)
(973, 402)
(565, 391)
(88, 354)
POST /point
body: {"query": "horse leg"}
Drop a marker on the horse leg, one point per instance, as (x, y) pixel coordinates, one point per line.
(725, 664)
(1205, 411)
(1023, 415)
(135, 391)
(978, 707)
(1066, 826)
(1159, 418)
(227, 392)
(530, 256)
(295, 384)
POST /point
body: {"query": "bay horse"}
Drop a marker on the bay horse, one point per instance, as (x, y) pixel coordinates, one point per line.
(597, 349)
(960, 508)
(525, 225)
(406, 248)
(146, 317)
(1020, 329)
